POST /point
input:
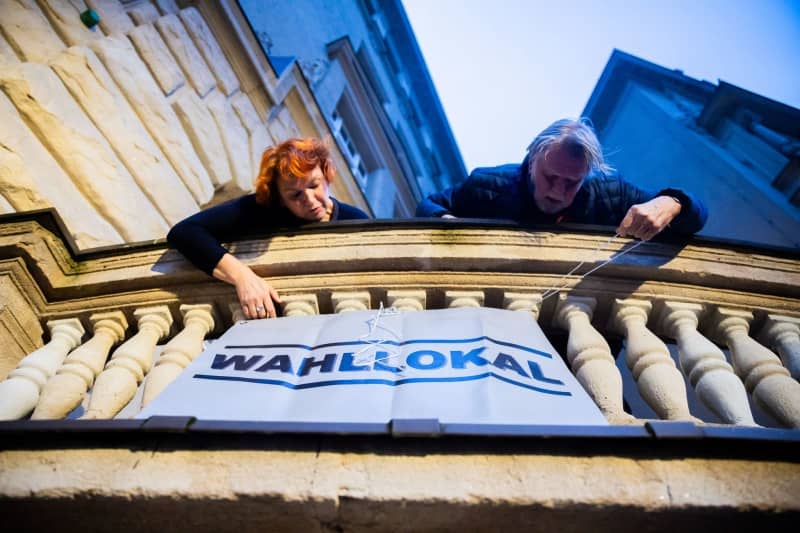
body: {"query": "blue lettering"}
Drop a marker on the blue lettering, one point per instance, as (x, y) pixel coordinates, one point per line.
(380, 357)
(348, 364)
(279, 362)
(239, 362)
(459, 359)
(536, 372)
(414, 360)
(506, 362)
(326, 365)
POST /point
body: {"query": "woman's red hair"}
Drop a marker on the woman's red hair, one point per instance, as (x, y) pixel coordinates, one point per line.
(289, 160)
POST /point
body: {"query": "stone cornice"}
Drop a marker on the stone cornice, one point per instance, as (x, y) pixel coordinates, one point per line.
(399, 246)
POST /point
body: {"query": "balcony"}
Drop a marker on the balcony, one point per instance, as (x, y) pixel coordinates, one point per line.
(691, 352)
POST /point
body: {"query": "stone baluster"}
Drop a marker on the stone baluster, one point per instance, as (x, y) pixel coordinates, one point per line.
(528, 302)
(765, 378)
(237, 313)
(300, 305)
(783, 334)
(345, 302)
(67, 389)
(181, 350)
(590, 357)
(19, 393)
(455, 299)
(406, 300)
(117, 384)
(659, 382)
(709, 373)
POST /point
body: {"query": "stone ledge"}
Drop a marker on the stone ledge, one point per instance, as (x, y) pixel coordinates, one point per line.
(405, 247)
(320, 490)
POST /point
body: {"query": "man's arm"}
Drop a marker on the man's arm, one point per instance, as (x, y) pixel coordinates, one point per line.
(693, 213)
(646, 220)
(647, 214)
(437, 204)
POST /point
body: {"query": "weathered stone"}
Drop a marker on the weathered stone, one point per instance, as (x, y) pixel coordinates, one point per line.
(143, 13)
(31, 179)
(245, 111)
(7, 54)
(394, 490)
(234, 136)
(185, 51)
(147, 100)
(113, 16)
(81, 150)
(208, 46)
(28, 31)
(205, 136)
(260, 137)
(5, 206)
(101, 99)
(285, 116)
(278, 131)
(11, 329)
(167, 6)
(66, 19)
(155, 53)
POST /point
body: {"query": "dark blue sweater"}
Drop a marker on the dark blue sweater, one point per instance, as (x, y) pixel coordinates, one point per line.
(198, 237)
(507, 192)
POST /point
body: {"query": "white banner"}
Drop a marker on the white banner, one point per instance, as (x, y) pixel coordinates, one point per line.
(459, 366)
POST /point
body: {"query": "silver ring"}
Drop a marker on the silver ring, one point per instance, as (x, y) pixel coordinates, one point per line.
(259, 308)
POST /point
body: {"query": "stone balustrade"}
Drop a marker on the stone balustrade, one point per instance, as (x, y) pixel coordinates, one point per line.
(688, 338)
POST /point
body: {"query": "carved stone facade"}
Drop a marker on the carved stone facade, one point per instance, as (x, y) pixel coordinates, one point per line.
(139, 122)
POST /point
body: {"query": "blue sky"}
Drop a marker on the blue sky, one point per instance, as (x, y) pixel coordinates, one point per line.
(505, 69)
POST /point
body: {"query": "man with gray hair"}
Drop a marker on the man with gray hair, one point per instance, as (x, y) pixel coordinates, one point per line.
(564, 178)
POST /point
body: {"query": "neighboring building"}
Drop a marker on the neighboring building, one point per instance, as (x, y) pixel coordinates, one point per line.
(737, 150)
(367, 73)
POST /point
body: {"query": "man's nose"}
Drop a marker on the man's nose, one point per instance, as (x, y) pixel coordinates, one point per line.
(560, 189)
(308, 197)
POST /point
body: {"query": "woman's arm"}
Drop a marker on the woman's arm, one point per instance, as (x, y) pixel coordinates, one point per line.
(255, 295)
(198, 238)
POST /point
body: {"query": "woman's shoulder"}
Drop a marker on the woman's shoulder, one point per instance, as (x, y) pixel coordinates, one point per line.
(349, 212)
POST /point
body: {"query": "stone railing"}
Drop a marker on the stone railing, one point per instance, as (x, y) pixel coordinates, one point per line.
(99, 334)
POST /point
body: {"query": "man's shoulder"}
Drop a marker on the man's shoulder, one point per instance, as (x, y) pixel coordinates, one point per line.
(602, 179)
(611, 184)
(495, 178)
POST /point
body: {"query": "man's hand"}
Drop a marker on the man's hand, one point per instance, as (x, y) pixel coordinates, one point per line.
(645, 221)
(256, 296)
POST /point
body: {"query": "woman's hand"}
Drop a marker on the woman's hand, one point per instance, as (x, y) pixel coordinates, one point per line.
(256, 296)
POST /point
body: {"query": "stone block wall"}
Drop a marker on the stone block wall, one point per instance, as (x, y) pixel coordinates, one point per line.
(125, 128)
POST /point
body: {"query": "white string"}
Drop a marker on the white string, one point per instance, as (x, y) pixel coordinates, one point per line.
(555, 290)
(382, 341)
(392, 352)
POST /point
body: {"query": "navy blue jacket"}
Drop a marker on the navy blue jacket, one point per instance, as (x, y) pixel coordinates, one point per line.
(198, 237)
(507, 192)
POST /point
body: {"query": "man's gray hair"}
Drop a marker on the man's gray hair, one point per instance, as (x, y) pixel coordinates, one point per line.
(578, 137)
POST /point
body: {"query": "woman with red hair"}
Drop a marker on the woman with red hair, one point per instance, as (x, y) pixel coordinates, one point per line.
(291, 190)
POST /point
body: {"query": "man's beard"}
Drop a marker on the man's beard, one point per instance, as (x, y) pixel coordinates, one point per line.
(550, 207)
